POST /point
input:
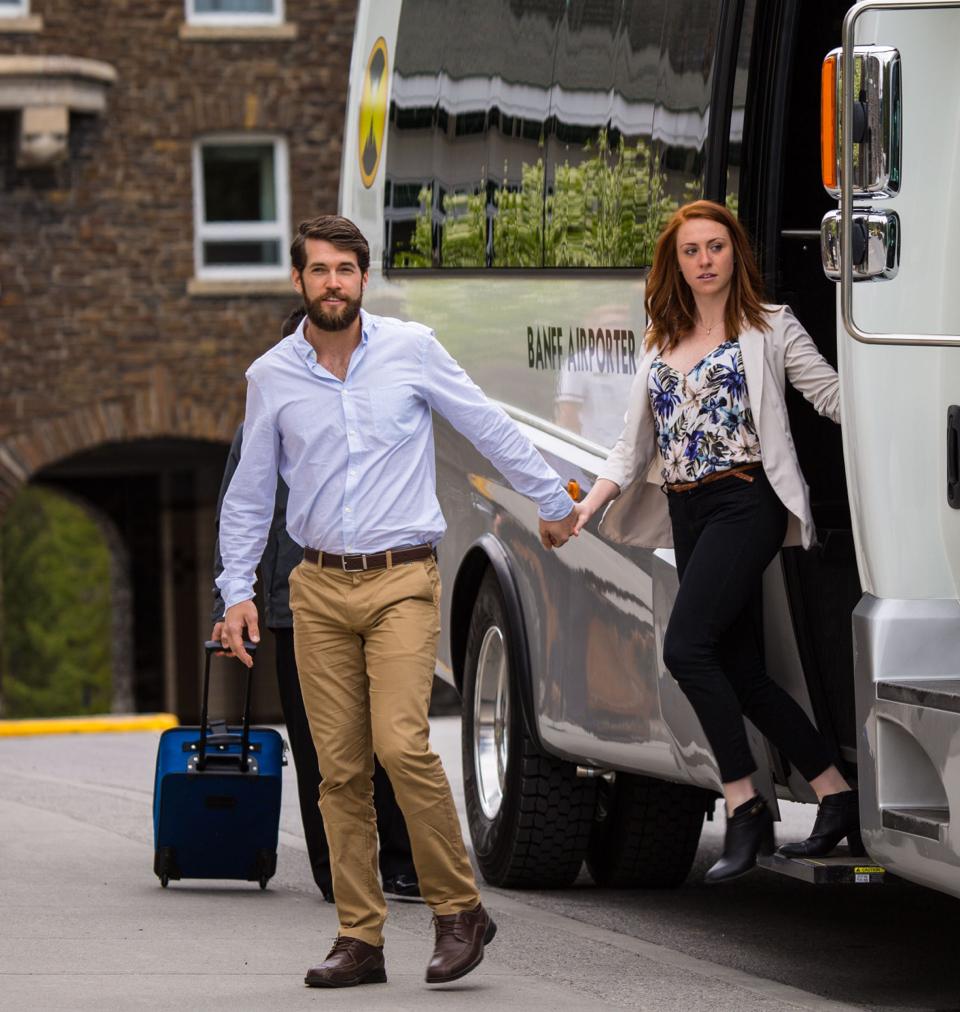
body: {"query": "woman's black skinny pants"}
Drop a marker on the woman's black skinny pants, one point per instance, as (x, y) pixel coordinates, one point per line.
(725, 535)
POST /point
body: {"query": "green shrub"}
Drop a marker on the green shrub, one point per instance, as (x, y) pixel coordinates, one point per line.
(55, 650)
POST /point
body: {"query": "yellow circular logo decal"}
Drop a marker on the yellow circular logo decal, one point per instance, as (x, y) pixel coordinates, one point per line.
(373, 112)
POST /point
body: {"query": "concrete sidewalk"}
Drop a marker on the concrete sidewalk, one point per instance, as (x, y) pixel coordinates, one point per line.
(87, 926)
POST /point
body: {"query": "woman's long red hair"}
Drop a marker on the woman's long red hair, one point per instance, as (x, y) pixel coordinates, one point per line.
(669, 301)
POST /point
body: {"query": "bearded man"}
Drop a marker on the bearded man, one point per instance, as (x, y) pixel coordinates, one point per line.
(342, 408)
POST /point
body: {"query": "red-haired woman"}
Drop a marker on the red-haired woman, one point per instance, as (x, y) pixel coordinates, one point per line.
(707, 409)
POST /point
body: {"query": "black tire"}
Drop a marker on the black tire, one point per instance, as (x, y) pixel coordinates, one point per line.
(538, 838)
(164, 881)
(263, 881)
(646, 833)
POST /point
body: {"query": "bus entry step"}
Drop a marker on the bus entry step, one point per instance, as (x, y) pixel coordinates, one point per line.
(841, 869)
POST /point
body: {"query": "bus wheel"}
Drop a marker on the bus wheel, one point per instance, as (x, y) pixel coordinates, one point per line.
(529, 813)
(646, 833)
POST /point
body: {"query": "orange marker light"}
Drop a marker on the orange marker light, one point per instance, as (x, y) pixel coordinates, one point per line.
(573, 487)
(828, 122)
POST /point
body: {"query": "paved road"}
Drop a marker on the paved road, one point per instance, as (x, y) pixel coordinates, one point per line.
(85, 924)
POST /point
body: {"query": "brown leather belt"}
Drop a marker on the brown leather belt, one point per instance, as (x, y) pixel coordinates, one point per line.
(735, 472)
(359, 563)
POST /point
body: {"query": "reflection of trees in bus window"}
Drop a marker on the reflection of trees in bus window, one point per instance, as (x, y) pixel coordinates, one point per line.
(630, 103)
(470, 99)
(555, 134)
(607, 211)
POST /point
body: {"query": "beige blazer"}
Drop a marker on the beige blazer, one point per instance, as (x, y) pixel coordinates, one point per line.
(639, 515)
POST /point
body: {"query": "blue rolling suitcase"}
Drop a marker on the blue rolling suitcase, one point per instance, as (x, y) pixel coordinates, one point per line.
(216, 797)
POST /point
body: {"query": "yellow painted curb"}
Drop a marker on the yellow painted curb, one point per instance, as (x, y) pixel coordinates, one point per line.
(89, 725)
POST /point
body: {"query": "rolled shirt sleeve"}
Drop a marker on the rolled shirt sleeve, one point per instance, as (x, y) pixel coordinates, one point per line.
(233, 458)
(248, 505)
(451, 392)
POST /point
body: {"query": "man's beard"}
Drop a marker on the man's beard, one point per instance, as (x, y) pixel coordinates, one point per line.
(319, 316)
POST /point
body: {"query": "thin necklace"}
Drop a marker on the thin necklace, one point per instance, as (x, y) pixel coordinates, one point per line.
(709, 329)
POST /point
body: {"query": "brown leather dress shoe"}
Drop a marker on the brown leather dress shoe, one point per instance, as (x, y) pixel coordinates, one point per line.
(460, 941)
(349, 962)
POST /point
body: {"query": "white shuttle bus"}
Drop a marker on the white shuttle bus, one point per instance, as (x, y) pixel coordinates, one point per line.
(512, 163)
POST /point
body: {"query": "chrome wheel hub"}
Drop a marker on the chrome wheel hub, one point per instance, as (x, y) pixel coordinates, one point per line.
(491, 718)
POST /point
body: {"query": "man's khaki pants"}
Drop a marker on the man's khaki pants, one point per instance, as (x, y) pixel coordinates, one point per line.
(366, 650)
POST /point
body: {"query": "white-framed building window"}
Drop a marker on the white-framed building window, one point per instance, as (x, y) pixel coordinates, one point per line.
(241, 207)
(234, 12)
(14, 8)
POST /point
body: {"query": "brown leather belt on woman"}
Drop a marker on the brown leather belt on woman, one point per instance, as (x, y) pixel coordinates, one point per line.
(380, 560)
(735, 472)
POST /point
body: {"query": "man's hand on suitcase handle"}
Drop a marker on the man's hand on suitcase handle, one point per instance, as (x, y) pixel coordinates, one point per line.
(215, 642)
(241, 616)
(217, 635)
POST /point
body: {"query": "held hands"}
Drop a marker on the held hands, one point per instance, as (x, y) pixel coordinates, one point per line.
(230, 631)
(585, 511)
(556, 533)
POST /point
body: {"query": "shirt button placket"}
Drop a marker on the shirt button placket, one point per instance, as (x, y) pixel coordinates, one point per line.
(348, 517)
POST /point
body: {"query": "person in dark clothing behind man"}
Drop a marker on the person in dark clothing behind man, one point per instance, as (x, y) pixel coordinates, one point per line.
(280, 555)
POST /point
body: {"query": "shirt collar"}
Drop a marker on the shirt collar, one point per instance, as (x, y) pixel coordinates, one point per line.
(305, 349)
(368, 324)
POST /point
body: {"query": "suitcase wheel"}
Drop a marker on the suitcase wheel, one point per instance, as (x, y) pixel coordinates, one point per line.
(165, 865)
(265, 867)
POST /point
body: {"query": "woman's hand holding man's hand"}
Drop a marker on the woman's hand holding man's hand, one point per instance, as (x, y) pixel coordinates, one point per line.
(556, 533)
(585, 511)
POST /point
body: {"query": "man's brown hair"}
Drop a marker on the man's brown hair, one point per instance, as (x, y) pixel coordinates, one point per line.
(670, 306)
(331, 228)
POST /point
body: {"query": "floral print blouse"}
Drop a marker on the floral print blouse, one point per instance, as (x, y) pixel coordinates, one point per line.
(703, 418)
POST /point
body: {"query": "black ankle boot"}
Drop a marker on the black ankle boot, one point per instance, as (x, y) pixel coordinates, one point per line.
(837, 817)
(749, 832)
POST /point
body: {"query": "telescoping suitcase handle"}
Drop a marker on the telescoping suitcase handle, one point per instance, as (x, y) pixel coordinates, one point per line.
(212, 647)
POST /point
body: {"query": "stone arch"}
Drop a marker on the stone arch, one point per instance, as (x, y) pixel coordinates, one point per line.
(151, 409)
(156, 490)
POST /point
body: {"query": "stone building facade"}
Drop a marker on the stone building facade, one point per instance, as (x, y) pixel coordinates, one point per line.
(121, 373)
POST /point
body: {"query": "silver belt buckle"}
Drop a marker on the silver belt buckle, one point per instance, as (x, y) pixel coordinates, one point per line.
(346, 569)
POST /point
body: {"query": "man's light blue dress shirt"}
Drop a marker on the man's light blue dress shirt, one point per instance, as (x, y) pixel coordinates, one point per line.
(358, 454)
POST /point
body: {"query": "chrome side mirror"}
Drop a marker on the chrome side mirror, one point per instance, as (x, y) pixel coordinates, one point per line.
(876, 126)
(876, 245)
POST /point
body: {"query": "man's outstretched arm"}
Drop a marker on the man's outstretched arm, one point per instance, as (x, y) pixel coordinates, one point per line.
(450, 391)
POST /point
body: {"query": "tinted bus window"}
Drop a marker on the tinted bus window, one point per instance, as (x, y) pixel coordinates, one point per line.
(547, 133)
(737, 112)
(468, 117)
(630, 114)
